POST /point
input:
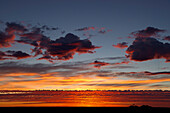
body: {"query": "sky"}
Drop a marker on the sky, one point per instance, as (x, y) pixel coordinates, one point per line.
(84, 44)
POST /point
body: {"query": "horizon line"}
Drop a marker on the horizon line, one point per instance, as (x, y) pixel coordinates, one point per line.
(79, 90)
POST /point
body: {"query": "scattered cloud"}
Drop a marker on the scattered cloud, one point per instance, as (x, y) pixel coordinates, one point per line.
(103, 30)
(121, 45)
(63, 48)
(12, 55)
(88, 35)
(15, 28)
(98, 64)
(148, 32)
(85, 29)
(100, 30)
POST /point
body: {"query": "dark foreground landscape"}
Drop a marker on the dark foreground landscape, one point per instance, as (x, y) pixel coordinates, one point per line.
(85, 109)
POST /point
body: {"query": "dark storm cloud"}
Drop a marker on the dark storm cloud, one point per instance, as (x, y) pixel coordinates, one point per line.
(148, 32)
(121, 45)
(148, 48)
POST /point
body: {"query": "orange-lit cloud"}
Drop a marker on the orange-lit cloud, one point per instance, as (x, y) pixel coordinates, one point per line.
(143, 49)
(8, 36)
(148, 32)
(121, 45)
(63, 48)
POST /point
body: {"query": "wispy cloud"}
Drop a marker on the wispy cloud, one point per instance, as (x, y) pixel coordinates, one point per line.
(99, 64)
(85, 29)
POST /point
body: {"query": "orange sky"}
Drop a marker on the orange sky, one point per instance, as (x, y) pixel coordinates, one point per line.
(78, 82)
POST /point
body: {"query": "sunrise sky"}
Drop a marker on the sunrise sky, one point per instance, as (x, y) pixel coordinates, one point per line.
(84, 44)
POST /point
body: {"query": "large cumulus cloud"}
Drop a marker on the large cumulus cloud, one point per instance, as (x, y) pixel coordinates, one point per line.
(143, 49)
(63, 48)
